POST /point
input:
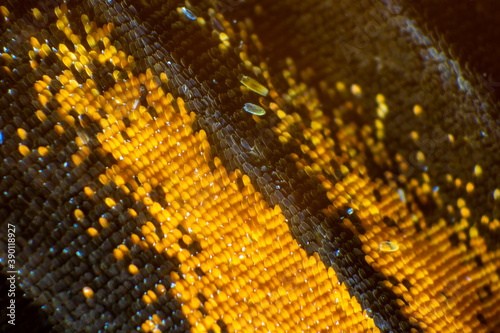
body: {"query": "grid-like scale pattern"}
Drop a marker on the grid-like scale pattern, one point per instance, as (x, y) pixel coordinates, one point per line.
(216, 167)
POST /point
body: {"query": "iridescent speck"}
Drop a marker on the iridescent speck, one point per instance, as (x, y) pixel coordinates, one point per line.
(253, 85)
(254, 109)
(189, 13)
(388, 246)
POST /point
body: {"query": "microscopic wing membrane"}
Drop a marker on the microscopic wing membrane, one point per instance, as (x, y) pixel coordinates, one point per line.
(224, 166)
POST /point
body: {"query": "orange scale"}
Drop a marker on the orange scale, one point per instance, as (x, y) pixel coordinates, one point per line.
(150, 239)
(148, 201)
(183, 255)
